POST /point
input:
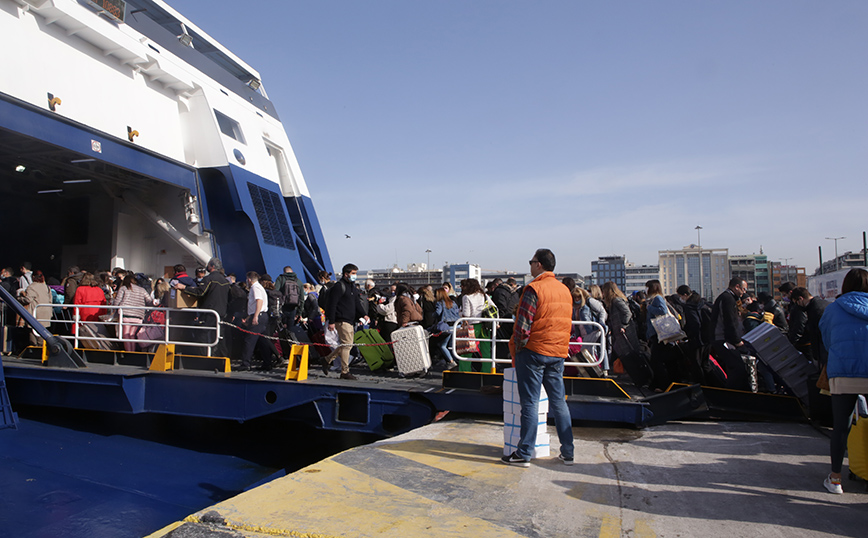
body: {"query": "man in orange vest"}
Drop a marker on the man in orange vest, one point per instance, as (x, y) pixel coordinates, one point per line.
(539, 345)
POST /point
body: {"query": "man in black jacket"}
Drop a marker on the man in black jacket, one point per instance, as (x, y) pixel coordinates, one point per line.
(813, 340)
(504, 298)
(213, 293)
(797, 318)
(343, 307)
(727, 334)
(10, 284)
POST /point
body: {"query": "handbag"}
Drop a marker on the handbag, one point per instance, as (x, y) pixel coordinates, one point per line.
(823, 380)
(489, 310)
(668, 329)
(463, 347)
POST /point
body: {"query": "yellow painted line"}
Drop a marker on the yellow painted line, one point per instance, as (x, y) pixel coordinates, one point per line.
(330, 499)
(611, 527)
(165, 530)
(643, 529)
(453, 457)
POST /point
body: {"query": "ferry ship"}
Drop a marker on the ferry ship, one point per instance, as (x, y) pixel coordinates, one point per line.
(131, 138)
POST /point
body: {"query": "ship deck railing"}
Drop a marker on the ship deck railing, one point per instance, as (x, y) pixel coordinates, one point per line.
(593, 351)
(204, 333)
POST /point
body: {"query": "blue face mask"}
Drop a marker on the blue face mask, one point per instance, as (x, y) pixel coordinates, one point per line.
(352, 278)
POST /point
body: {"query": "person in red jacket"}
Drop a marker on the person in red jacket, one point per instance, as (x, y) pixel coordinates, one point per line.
(89, 292)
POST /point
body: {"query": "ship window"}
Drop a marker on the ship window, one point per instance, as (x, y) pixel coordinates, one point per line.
(229, 127)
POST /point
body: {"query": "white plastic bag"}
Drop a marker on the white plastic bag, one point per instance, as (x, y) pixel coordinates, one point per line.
(331, 338)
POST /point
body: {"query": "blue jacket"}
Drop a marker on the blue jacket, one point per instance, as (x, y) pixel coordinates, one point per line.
(844, 327)
(447, 315)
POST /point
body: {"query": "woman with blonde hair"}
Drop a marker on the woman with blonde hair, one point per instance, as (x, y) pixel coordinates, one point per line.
(596, 305)
(622, 327)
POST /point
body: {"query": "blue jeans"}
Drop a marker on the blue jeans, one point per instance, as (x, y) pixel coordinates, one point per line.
(531, 371)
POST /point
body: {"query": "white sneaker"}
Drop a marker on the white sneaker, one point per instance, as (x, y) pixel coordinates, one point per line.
(833, 485)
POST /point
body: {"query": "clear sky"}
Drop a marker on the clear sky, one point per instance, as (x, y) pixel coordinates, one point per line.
(482, 130)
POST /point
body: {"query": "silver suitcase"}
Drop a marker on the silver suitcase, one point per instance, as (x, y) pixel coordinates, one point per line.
(411, 350)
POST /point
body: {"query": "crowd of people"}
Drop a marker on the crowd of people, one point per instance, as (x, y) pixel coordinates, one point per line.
(654, 339)
(285, 306)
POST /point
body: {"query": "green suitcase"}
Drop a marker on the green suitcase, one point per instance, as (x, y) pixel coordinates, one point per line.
(377, 356)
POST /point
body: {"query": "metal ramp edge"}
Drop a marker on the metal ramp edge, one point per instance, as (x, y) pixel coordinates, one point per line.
(8, 418)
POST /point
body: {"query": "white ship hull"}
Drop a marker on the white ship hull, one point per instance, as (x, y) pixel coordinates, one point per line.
(122, 146)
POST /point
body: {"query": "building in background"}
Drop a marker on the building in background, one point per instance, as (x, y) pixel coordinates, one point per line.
(488, 276)
(754, 269)
(705, 270)
(416, 275)
(455, 273)
(637, 275)
(847, 260)
(786, 273)
(609, 268)
(580, 280)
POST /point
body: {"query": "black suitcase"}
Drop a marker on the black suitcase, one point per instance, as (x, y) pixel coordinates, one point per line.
(636, 363)
(299, 333)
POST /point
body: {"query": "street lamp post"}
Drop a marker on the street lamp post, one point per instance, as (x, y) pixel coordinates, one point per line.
(428, 267)
(837, 262)
(701, 269)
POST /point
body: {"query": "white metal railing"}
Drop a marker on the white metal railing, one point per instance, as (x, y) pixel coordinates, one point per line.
(493, 340)
(170, 330)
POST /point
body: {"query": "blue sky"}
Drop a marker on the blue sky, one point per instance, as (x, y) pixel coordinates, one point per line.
(482, 130)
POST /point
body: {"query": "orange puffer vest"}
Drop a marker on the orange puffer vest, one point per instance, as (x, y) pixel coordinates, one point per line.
(552, 324)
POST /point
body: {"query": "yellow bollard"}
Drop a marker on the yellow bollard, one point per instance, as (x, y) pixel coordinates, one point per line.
(44, 351)
(164, 358)
(297, 370)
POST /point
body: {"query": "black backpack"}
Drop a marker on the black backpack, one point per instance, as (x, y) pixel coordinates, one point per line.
(275, 303)
(291, 292)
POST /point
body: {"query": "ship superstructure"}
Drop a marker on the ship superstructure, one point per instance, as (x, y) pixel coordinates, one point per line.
(129, 137)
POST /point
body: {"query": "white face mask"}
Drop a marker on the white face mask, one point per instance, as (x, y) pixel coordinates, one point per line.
(352, 278)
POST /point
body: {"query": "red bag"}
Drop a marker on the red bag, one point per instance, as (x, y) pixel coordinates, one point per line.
(464, 347)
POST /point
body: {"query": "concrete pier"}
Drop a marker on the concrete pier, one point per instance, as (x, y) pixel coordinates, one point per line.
(677, 480)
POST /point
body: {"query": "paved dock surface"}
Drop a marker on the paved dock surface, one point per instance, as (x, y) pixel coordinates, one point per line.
(678, 480)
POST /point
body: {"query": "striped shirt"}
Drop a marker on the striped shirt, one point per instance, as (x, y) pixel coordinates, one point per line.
(133, 296)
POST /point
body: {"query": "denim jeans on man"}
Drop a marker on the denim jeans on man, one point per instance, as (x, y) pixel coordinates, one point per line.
(531, 371)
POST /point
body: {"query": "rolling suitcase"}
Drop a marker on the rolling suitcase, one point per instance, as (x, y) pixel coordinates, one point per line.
(635, 362)
(773, 348)
(377, 356)
(411, 350)
(299, 333)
